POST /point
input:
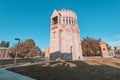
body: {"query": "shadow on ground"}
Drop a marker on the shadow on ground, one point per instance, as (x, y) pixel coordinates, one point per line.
(70, 70)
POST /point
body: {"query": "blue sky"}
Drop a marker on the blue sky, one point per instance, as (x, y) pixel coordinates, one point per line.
(30, 19)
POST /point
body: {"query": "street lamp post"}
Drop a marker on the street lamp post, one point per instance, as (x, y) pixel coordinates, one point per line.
(16, 50)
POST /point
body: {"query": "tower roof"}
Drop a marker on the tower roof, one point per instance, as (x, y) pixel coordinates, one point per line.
(66, 13)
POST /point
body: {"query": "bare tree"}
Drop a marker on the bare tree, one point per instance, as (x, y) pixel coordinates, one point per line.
(27, 49)
(91, 47)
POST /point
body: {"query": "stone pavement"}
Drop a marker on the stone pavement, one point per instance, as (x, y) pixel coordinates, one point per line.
(8, 75)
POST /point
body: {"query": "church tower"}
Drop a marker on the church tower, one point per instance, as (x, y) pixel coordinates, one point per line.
(65, 36)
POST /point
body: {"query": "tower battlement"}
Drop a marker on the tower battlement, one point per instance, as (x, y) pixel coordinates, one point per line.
(67, 10)
(68, 13)
(64, 16)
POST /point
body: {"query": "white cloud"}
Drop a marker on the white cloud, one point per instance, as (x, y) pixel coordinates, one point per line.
(114, 43)
(117, 36)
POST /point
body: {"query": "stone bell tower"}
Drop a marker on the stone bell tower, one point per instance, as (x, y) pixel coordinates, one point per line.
(65, 36)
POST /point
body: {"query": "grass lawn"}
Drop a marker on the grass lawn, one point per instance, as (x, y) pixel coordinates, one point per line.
(93, 69)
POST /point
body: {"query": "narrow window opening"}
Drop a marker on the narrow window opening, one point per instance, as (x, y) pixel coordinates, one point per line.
(55, 20)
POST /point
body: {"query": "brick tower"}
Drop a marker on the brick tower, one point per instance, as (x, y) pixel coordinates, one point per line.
(65, 36)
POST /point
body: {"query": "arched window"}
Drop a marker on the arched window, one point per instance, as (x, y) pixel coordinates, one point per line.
(55, 20)
(69, 21)
(63, 21)
(72, 21)
(66, 20)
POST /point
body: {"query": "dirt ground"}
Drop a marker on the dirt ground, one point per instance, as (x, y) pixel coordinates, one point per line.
(89, 69)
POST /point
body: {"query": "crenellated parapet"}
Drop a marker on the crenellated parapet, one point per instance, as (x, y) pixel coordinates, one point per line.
(65, 17)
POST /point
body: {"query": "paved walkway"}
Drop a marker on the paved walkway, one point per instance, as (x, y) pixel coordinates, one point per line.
(8, 75)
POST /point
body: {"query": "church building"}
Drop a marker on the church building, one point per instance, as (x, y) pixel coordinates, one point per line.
(65, 41)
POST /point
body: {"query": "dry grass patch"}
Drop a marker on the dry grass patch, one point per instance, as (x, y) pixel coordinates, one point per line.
(95, 69)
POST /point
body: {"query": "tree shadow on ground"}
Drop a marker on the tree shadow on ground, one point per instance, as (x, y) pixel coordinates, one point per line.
(69, 70)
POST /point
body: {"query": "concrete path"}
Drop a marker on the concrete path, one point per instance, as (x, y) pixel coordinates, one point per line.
(8, 75)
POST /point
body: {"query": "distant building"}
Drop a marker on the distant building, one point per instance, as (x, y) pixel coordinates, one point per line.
(104, 50)
(47, 52)
(65, 36)
(4, 53)
(118, 48)
(117, 51)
